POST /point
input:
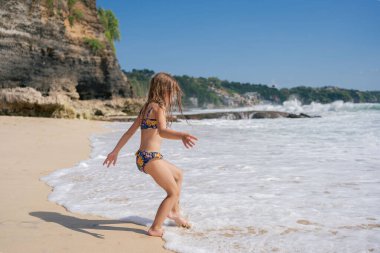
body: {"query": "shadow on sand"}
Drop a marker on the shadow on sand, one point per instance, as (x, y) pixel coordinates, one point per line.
(80, 225)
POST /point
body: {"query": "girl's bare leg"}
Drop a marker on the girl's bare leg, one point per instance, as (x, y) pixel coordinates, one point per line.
(174, 213)
(164, 178)
(178, 177)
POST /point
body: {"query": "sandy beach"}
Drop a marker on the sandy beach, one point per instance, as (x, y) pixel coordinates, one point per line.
(34, 147)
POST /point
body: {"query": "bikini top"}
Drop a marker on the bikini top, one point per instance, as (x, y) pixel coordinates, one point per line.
(148, 122)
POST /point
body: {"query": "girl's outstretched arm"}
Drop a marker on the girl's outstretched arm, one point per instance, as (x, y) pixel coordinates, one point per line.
(112, 157)
(187, 139)
(128, 134)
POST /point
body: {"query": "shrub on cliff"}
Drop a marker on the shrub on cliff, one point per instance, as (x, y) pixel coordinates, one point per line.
(70, 3)
(75, 14)
(50, 7)
(111, 25)
(95, 45)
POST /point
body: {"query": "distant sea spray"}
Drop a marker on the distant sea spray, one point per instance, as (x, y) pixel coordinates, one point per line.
(295, 106)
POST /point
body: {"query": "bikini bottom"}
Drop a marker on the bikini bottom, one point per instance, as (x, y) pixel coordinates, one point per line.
(143, 157)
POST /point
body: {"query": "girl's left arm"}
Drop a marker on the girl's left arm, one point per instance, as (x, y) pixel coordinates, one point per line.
(127, 135)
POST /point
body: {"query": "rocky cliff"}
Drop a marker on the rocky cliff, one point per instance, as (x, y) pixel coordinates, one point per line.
(49, 45)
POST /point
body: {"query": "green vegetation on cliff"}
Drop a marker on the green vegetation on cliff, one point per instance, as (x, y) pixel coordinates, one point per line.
(111, 25)
(50, 7)
(75, 15)
(205, 90)
(56, 6)
(94, 44)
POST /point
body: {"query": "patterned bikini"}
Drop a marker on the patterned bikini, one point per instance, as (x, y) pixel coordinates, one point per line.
(143, 156)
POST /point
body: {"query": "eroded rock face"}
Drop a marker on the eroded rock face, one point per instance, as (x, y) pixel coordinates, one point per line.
(26, 101)
(39, 49)
(29, 102)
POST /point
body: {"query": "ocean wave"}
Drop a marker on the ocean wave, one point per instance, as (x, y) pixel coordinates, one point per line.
(295, 106)
(249, 185)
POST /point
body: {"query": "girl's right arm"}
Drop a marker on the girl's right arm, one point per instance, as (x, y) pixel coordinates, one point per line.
(112, 157)
(127, 135)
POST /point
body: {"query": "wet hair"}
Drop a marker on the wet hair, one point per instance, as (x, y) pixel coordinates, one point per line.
(163, 84)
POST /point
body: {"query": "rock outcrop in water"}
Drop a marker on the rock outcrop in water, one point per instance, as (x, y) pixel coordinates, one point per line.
(231, 115)
(244, 115)
(40, 49)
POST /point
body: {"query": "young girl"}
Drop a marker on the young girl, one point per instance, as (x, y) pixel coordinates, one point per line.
(164, 91)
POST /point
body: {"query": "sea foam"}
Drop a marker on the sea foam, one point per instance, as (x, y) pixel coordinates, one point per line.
(267, 185)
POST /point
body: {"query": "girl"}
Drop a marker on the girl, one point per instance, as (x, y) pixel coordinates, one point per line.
(164, 91)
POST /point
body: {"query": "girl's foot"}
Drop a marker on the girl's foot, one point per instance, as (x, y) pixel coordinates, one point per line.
(156, 232)
(180, 221)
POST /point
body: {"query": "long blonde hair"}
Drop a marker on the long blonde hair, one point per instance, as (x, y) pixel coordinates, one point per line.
(163, 84)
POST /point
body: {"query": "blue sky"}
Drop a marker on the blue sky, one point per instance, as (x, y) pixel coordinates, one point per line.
(284, 42)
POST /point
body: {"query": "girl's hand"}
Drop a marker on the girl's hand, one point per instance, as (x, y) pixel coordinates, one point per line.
(189, 140)
(111, 158)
